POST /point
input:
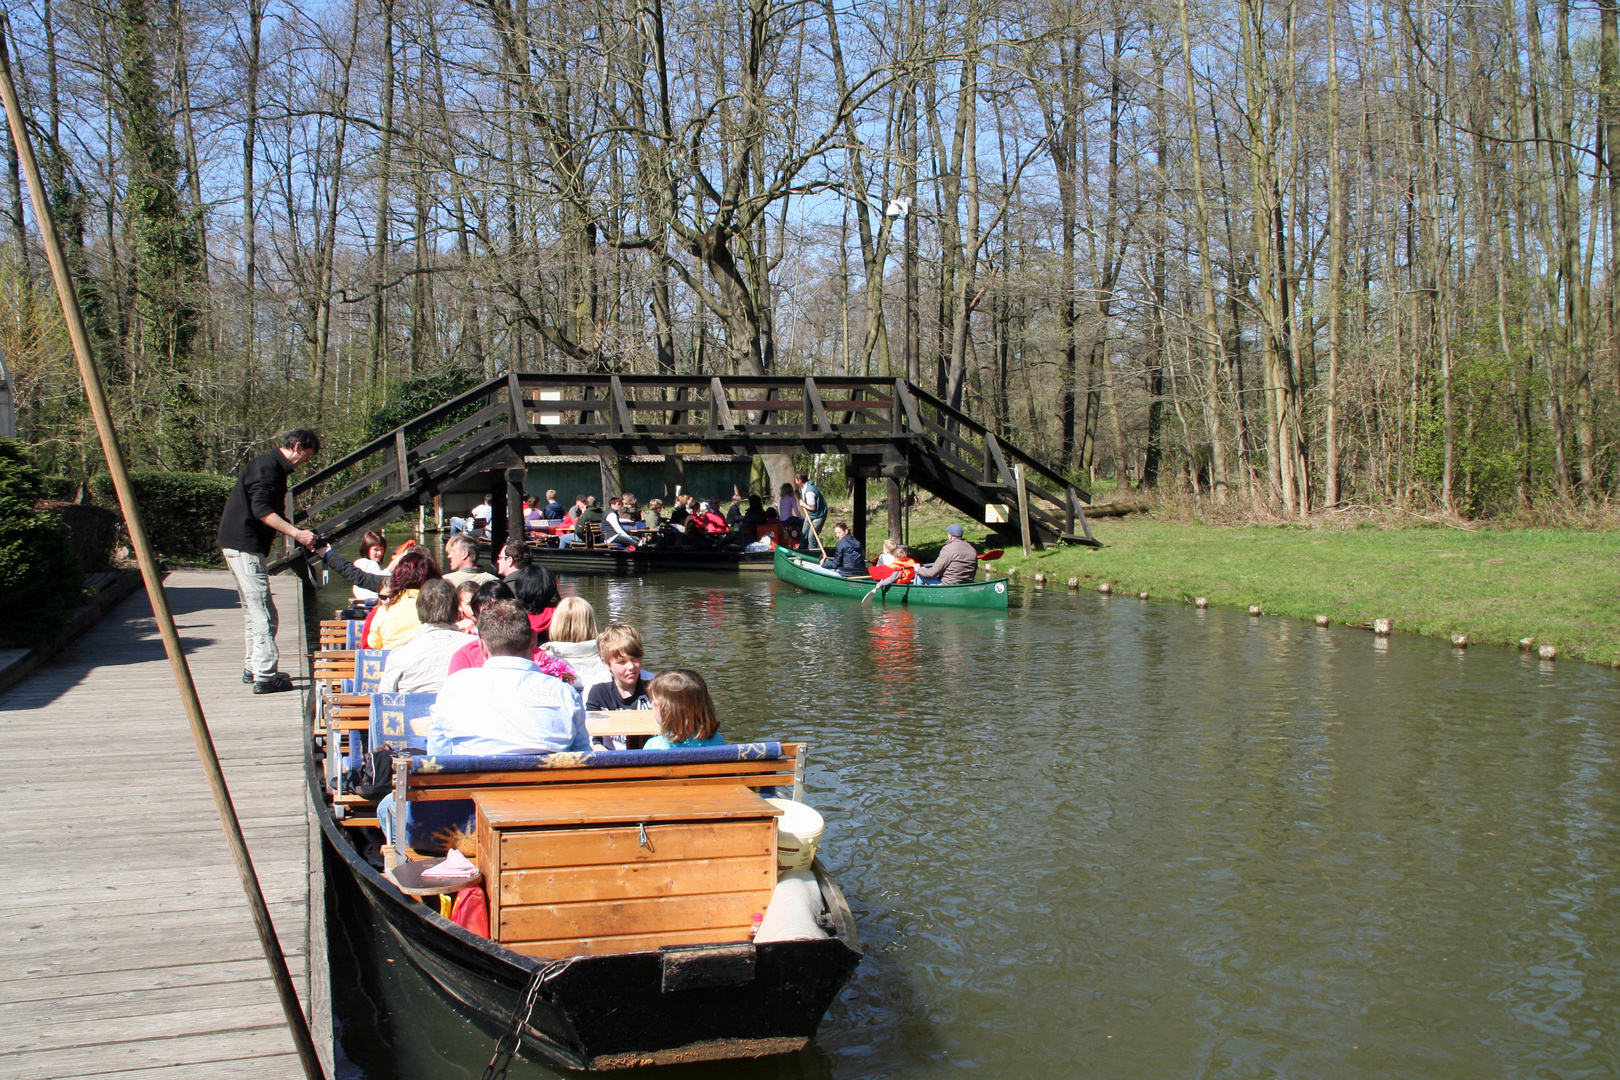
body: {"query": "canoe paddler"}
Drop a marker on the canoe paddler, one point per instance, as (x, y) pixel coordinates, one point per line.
(957, 563)
(847, 558)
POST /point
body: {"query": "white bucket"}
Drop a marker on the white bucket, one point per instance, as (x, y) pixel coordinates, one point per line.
(798, 834)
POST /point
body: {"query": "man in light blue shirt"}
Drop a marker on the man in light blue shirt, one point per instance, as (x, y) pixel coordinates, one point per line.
(508, 706)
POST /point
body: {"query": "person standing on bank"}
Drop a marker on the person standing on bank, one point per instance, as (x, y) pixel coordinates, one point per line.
(812, 503)
(247, 528)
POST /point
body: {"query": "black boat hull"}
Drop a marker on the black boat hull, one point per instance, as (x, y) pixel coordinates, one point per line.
(612, 1012)
(610, 560)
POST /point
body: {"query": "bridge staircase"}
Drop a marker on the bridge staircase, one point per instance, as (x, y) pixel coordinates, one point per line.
(885, 428)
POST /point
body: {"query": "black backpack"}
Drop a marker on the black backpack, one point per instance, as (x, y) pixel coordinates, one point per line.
(375, 776)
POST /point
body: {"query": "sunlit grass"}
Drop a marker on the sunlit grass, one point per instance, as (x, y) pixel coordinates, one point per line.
(1560, 586)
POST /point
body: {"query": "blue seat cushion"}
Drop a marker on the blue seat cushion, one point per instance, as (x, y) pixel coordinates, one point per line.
(594, 759)
(401, 720)
(431, 827)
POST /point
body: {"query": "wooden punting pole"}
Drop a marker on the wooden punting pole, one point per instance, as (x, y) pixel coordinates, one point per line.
(74, 318)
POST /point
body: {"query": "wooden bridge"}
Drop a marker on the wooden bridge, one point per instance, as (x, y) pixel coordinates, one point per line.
(887, 429)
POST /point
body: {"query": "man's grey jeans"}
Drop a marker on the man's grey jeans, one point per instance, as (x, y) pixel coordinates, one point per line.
(258, 611)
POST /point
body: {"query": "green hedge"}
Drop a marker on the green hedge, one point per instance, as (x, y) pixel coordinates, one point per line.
(58, 488)
(40, 580)
(181, 510)
(92, 532)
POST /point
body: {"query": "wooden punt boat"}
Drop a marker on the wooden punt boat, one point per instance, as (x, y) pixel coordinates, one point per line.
(611, 560)
(640, 1005)
(807, 573)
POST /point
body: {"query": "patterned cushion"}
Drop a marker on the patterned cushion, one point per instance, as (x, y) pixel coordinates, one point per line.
(432, 827)
(401, 720)
(368, 669)
(594, 759)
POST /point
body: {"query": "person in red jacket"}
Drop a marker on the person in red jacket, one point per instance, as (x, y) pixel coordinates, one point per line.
(710, 520)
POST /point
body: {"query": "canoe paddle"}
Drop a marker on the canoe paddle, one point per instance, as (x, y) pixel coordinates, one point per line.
(989, 555)
(884, 584)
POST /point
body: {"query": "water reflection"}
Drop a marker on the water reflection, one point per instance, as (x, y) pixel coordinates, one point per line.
(1107, 839)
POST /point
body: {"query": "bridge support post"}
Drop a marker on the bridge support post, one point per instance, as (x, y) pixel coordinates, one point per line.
(514, 502)
(611, 482)
(498, 518)
(897, 510)
(857, 511)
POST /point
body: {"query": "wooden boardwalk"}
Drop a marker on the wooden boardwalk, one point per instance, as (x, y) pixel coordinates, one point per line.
(126, 947)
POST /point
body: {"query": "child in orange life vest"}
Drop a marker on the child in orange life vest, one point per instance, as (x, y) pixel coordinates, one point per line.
(904, 566)
(884, 567)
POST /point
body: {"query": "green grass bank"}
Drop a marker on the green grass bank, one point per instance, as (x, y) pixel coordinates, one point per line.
(1497, 585)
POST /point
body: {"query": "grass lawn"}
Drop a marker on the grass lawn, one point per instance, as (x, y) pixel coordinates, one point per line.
(1560, 586)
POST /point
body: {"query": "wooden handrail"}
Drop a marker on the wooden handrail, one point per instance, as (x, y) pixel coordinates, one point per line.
(385, 442)
(968, 422)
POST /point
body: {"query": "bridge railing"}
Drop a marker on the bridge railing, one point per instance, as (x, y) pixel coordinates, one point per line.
(375, 481)
(391, 466)
(973, 449)
(615, 406)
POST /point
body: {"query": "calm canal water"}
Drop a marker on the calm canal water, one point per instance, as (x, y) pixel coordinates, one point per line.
(1104, 838)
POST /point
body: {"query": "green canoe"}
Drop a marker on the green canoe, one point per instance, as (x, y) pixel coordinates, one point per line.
(808, 574)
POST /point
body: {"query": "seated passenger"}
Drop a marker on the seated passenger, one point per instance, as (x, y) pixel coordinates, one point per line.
(753, 517)
(591, 515)
(957, 563)
(508, 705)
(653, 516)
(787, 509)
(372, 550)
(679, 516)
(847, 558)
(613, 526)
(904, 568)
(396, 624)
(461, 558)
(684, 711)
(553, 509)
(420, 665)
(619, 646)
(709, 521)
(573, 641)
(505, 706)
(534, 588)
(466, 613)
(512, 557)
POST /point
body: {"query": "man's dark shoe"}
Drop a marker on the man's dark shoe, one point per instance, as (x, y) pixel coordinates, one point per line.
(276, 684)
(247, 676)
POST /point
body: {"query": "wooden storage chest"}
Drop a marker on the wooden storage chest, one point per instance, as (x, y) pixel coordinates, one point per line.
(624, 868)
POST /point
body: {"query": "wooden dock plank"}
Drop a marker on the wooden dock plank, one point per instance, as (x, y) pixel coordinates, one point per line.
(46, 987)
(137, 952)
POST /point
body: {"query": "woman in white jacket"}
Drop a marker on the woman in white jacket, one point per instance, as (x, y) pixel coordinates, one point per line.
(573, 641)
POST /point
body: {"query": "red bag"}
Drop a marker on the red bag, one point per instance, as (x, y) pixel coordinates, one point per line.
(365, 627)
(471, 912)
